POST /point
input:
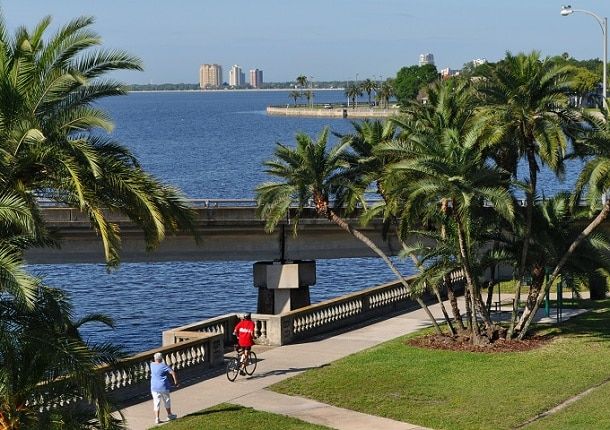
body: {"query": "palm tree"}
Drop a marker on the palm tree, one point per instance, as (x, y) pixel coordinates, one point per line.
(53, 137)
(43, 360)
(295, 95)
(368, 86)
(302, 81)
(442, 175)
(556, 225)
(384, 93)
(312, 172)
(53, 144)
(594, 182)
(525, 101)
(352, 92)
(44, 363)
(450, 106)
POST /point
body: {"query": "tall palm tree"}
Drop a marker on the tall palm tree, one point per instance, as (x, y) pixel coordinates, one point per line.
(450, 106)
(312, 172)
(53, 134)
(368, 86)
(352, 92)
(384, 93)
(442, 175)
(525, 100)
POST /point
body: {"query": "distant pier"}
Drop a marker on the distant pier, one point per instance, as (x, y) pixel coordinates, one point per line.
(333, 111)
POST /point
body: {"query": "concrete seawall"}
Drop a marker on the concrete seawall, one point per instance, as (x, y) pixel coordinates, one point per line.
(335, 112)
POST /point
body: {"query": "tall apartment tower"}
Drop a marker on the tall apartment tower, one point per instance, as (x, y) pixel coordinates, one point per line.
(256, 78)
(210, 76)
(426, 59)
(236, 76)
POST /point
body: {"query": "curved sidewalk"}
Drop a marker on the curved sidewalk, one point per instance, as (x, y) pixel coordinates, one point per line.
(276, 364)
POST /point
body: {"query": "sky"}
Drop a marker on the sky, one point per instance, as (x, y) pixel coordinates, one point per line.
(322, 39)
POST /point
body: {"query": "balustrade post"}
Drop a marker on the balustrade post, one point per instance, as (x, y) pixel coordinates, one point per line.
(168, 338)
(366, 304)
(215, 350)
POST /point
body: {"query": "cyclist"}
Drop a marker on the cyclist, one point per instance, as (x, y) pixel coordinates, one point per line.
(244, 330)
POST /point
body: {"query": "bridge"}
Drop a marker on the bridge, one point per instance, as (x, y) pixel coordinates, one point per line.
(230, 230)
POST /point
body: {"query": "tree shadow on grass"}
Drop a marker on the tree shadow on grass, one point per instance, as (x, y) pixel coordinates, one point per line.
(216, 410)
(594, 324)
(284, 371)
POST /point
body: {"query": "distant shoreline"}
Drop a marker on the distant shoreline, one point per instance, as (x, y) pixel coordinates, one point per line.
(239, 90)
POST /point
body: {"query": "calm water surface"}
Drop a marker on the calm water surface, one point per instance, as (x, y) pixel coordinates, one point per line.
(210, 145)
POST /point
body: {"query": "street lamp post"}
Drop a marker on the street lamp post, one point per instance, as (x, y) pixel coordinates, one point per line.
(311, 91)
(356, 89)
(603, 23)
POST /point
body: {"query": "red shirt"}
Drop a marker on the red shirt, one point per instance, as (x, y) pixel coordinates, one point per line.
(244, 331)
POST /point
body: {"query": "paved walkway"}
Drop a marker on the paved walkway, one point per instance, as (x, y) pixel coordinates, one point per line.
(276, 364)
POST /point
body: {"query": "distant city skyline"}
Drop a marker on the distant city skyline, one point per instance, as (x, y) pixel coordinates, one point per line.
(325, 40)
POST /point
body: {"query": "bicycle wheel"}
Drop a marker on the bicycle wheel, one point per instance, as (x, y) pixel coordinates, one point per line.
(232, 369)
(251, 364)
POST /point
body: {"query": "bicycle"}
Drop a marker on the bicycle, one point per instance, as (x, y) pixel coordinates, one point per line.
(236, 364)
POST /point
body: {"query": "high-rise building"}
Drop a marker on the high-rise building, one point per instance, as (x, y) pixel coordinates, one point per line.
(256, 78)
(448, 72)
(478, 61)
(426, 59)
(210, 76)
(236, 76)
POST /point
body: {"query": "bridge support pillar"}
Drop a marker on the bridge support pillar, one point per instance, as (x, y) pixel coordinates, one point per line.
(283, 286)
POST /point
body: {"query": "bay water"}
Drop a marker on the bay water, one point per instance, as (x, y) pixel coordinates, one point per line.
(210, 145)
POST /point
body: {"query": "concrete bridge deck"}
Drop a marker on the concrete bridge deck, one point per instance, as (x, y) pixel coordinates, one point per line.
(230, 230)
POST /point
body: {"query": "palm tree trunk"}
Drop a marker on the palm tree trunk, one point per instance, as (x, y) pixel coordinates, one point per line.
(457, 317)
(581, 237)
(445, 314)
(468, 311)
(435, 290)
(447, 279)
(489, 325)
(469, 282)
(531, 159)
(333, 217)
(532, 296)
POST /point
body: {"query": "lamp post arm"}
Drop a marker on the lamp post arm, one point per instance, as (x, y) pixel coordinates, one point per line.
(598, 18)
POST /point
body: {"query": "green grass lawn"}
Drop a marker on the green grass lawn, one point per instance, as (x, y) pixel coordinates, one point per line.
(459, 390)
(233, 417)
